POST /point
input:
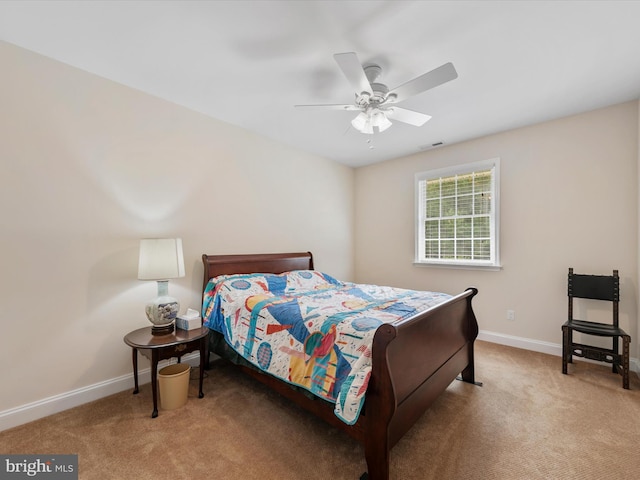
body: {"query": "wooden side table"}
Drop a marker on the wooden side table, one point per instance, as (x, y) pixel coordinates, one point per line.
(162, 347)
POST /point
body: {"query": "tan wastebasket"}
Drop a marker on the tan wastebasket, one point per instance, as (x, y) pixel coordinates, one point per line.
(173, 383)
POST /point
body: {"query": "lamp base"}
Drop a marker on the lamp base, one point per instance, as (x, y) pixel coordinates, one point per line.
(162, 329)
(162, 310)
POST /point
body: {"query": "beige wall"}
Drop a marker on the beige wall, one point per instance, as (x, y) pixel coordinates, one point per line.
(569, 192)
(87, 168)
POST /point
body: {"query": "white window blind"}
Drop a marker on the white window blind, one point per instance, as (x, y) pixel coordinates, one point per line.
(457, 215)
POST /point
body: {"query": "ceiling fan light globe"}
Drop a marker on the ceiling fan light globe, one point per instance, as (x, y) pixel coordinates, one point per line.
(384, 124)
(360, 121)
(367, 127)
(379, 119)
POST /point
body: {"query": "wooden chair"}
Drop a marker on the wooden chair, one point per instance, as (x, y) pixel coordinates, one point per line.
(596, 287)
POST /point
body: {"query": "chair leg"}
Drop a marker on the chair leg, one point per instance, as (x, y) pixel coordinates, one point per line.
(614, 367)
(565, 348)
(626, 339)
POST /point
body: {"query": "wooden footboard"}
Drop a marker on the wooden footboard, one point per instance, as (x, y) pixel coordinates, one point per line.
(413, 361)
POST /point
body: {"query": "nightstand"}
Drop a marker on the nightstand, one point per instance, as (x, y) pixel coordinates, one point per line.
(162, 347)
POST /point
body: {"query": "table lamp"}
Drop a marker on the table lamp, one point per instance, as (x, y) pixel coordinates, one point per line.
(161, 259)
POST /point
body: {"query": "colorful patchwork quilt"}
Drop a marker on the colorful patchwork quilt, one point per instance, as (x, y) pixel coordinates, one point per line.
(309, 329)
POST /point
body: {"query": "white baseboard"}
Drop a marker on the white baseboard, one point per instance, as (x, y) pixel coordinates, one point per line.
(539, 346)
(57, 403)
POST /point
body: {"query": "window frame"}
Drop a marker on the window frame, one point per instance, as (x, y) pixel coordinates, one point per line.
(420, 217)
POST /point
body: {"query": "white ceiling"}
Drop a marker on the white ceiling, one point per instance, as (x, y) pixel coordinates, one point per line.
(249, 62)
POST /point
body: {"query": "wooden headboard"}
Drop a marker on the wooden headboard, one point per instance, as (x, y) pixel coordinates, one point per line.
(215, 265)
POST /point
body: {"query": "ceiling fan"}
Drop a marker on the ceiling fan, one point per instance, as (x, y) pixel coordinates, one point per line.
(376, 102)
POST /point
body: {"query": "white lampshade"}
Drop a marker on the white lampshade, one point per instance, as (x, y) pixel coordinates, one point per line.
(160, 259)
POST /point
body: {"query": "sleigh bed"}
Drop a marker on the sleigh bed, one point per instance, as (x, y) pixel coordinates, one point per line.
(412, 360)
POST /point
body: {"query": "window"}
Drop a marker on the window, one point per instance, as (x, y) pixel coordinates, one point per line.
(457, 215)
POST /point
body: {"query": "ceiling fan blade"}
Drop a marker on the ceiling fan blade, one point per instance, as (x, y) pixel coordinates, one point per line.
(352, 69)
(438, 76)
(350, 108)
(407, 116)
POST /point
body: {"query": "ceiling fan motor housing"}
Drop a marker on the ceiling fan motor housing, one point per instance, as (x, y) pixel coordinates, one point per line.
(379, 91)
(372, 71)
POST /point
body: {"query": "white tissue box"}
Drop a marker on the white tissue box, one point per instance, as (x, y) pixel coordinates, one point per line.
(189, 321)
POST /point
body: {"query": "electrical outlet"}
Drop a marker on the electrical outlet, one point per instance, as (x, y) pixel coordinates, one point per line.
(511, 315)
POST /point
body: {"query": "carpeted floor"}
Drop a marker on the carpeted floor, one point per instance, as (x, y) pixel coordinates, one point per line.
(528, 421)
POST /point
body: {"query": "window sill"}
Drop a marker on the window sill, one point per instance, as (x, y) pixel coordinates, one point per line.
(459, 266)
